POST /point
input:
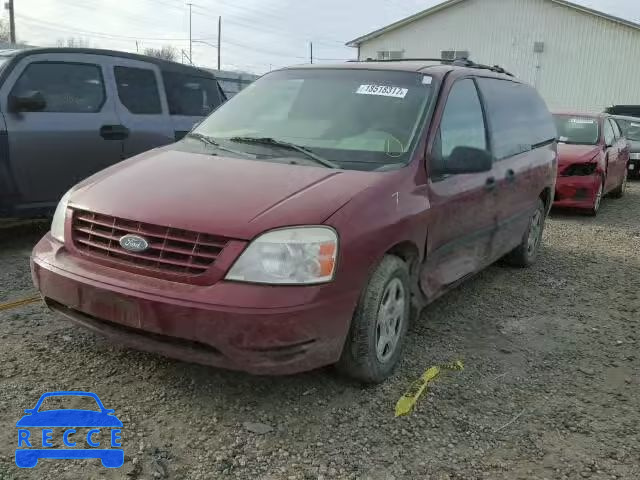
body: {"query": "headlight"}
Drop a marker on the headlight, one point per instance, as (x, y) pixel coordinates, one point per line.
(580, 169)
(635, 156)
(57, 225)
(301, 255)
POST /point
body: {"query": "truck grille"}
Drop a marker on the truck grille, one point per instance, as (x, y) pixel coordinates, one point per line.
(171, 250)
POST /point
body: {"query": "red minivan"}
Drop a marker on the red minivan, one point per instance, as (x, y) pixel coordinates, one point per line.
(593, 159)
(300, 223)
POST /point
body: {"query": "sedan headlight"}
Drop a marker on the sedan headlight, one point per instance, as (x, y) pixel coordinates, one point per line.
(301, 255)
(57, 224)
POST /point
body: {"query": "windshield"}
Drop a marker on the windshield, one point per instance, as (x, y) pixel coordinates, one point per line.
(357, 119)
(630, 128)
(577, 130)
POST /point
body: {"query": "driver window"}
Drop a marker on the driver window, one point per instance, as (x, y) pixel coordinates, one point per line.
(609, 137)
(616, 130)
(462, 123)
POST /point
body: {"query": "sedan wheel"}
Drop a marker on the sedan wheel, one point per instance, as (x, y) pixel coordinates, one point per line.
(597, 200)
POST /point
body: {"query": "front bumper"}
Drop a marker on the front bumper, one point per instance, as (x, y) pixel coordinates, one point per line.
(634, 167)
(577, 191)
(256, 328)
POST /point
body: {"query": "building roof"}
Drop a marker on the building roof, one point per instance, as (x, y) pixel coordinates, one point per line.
(449, 3)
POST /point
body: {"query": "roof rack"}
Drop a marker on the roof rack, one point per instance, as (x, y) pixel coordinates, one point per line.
(458, 62)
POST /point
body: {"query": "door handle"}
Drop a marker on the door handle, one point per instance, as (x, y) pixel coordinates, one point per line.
(114, 132)
(491, 183)
(510, 176)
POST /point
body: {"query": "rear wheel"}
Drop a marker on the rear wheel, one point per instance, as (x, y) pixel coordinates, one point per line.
(379, 326)
(525, 254)
(622, 188)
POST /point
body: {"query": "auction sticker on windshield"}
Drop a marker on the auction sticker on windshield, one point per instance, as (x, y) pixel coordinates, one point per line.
(382, 90)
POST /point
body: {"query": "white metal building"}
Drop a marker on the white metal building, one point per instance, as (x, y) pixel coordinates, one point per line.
(578, 58)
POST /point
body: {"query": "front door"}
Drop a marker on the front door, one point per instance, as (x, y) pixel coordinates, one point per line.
(53, 149)
(618, 169)
(141, 105)
(612, 155)
(462, 206)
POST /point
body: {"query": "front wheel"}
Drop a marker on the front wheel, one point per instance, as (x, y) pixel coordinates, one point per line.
(597, 201)
(525, 254)
(379, 326)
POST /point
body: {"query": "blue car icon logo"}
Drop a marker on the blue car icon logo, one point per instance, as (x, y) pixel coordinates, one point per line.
(35, 433)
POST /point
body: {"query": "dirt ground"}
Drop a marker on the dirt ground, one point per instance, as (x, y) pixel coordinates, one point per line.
(551, 387)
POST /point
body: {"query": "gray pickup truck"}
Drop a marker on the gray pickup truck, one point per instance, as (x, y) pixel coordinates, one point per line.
(66, 113)
(630, 127)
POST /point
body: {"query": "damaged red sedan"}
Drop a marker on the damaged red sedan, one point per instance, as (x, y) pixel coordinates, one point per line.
(298, 224)
(593, 159)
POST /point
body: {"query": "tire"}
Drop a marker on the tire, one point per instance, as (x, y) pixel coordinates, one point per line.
(374, 345)
(597, 201)
(622, 188)
(525, 254)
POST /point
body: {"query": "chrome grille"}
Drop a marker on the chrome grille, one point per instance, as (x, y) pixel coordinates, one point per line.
(170, 249)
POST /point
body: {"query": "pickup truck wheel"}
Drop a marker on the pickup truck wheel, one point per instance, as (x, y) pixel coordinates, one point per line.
(622, 188)
(525, 254)
(379, 326)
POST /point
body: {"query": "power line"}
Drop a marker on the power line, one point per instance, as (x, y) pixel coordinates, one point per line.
(89, 33)
(272, 30)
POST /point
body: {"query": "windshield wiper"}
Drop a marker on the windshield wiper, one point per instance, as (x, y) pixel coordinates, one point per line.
(211, 141)
(291, 146)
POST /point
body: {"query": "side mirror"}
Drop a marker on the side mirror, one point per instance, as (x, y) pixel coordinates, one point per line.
(467, 160)
(31, 101)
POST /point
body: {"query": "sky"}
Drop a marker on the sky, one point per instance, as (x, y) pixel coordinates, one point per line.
(257, 35)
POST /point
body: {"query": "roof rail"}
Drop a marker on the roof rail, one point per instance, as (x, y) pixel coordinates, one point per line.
(458, 62)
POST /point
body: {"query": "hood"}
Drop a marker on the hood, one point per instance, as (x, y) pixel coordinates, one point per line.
(69, 418)
(568, 154)
(231, 197)
(635, 146)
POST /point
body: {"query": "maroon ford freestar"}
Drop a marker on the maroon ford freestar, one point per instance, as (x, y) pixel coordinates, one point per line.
(298, 223)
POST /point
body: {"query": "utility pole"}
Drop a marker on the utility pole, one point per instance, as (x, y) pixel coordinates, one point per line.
(190, 40)
(219, 39)
(12, 21)
(311, 51)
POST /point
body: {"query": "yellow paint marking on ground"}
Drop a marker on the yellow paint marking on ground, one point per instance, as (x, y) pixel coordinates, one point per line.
(408, 401)
(19, 303)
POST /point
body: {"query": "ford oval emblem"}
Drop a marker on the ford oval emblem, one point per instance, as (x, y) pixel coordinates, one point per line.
(134, 243)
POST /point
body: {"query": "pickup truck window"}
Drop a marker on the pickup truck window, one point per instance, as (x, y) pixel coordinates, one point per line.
(190, 95)
(138, 90)
(66, 87)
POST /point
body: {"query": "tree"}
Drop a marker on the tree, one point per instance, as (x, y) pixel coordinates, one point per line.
(5, 35)
(74, 42)
(166, 52)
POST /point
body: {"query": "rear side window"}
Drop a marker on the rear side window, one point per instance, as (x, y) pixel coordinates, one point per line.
(517, 117)
(190, 95)
(462, 123)
(138, 90)
(66, 87)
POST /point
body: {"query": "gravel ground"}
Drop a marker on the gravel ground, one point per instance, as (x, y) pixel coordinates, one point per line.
(551, 387)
